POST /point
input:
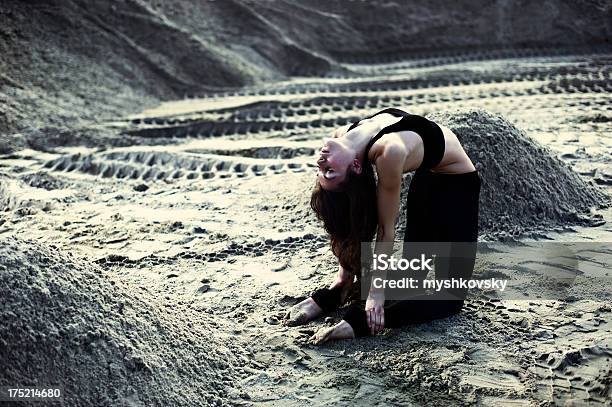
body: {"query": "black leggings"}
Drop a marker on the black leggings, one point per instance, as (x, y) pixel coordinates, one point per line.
(439, 208)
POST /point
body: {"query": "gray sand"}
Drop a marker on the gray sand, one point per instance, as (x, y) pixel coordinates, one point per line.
(66, 322)
(70, 63)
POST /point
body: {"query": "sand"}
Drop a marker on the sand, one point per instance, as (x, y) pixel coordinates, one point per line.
(194, 216)
(67, 322)
(71, 63)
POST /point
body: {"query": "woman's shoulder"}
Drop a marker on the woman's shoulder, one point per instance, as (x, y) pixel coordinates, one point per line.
(391, 157)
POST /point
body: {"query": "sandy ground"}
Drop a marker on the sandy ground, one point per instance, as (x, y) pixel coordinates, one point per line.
(202, 204)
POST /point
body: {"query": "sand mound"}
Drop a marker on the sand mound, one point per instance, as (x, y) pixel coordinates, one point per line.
(63, 322)
(525, 188)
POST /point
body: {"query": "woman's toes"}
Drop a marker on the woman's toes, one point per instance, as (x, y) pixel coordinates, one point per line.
(321, 336)
(342, 330)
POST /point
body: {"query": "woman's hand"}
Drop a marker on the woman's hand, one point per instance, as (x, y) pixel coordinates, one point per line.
(375, 309)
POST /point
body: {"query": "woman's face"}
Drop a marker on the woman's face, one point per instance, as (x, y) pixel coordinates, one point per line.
(334, 160)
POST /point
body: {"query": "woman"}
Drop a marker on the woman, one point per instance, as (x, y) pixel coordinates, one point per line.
(442, 206)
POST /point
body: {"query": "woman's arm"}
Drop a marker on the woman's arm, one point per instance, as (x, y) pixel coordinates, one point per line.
(389, 167)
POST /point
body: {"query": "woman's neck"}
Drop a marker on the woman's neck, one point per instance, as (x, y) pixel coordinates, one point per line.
(357, 141)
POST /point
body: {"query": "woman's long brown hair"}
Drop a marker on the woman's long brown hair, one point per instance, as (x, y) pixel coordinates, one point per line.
(349, 214)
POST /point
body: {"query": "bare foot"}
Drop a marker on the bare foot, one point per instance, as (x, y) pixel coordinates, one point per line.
(308, 309)
(342, 330)
(303, 312)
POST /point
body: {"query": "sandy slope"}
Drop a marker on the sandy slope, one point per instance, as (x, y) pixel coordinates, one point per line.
(67, 63)
(204, 204)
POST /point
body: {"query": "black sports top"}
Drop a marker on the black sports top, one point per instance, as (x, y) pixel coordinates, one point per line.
(430, 133)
